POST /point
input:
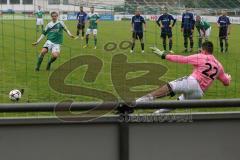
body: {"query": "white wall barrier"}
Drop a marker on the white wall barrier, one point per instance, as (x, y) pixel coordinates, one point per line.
(62, 17)
(212, 19)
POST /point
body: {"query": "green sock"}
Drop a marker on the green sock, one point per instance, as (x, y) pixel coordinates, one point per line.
(87, 39)
(39, 61)
(50, 62)
(95, 41)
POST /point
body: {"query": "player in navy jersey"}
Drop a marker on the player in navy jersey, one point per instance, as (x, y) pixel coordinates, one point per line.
(138, 27)
(188, 24)
(166, 22)
(81, 18)
(224, 30)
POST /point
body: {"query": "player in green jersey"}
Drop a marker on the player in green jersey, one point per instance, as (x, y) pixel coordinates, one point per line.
(39, 15)
(54, 32)
(204, 30)
(93, 19)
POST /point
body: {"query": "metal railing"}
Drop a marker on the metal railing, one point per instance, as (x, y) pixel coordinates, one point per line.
(50, 107)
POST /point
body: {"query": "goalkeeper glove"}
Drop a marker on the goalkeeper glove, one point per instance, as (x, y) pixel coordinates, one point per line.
(157, 51)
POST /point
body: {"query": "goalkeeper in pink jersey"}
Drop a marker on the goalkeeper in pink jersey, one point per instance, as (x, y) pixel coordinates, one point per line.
(206, 70)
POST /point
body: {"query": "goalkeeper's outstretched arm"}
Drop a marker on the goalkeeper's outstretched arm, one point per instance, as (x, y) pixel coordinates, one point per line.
(192, 59)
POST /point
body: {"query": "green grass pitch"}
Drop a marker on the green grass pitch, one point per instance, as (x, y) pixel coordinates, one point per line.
(18, 59)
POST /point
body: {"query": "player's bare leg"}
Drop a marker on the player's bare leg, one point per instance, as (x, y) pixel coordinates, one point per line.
(40, 58)
(53, 59)
(163, 91)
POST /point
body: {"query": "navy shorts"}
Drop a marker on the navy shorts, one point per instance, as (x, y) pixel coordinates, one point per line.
(223, 33)
(81, 26)
(187, 33)
(166, 33)
(137, 35)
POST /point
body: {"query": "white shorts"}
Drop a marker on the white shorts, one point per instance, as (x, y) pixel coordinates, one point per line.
(52, 47)
(40, 22)
(91, 31)
(207, 33)
(188, 87)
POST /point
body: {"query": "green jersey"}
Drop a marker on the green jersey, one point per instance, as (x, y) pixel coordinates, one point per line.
(54, 32)
(39, 14)
(202, 25)
(93, 17)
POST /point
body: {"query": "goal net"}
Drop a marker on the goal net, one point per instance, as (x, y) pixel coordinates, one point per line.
(108, 72)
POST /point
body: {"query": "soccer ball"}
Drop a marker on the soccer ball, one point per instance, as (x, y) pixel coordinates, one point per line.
(15, 95)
